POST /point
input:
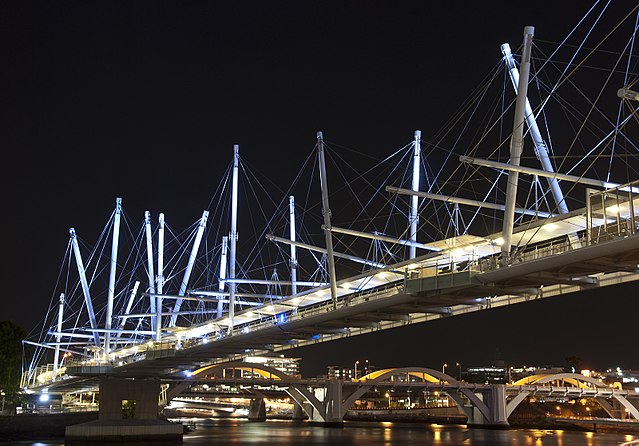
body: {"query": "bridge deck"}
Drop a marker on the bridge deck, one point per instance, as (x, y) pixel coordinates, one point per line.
(402, 301)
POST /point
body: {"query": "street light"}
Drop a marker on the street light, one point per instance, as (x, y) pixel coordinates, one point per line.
(458, 364)
(356, 363)
(444, 368)
(389, 399)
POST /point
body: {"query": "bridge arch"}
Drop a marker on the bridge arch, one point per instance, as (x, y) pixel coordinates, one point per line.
(260, 369)
(577, 380)
(424, 373)
(298, 393)
(370, 380)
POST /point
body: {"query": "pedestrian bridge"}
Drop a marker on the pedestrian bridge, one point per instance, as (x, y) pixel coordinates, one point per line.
(424, 289)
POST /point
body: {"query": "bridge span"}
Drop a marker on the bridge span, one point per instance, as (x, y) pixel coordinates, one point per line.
(170, 308)
(464, 274)
(421, 290)
(327, 401)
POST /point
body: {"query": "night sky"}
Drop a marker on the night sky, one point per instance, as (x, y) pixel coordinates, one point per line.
(144, 100)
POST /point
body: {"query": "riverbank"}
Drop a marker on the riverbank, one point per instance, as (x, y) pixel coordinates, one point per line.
(46, 426)
(40, 426)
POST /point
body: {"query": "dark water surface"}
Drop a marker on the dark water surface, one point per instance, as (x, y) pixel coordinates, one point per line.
(285, 433)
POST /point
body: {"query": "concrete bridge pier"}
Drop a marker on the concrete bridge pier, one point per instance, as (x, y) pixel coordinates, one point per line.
(298, 412)
(334, 408)
(128, 411)
(257, 410)
(485, 408)
(308, 408)
(324, 405)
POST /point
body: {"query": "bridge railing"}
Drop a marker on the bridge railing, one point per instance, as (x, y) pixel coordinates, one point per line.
(538, 251)
(323, 307)
(30, 377)
(612, 213)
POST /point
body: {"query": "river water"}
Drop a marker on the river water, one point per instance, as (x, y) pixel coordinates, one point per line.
(286, 433)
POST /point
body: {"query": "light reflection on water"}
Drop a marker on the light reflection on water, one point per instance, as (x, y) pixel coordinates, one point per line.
(286, 433)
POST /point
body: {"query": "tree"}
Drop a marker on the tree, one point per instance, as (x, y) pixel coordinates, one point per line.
(11, 336)
(573, 364)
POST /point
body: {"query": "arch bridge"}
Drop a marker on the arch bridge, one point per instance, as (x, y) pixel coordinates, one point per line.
(328, 400)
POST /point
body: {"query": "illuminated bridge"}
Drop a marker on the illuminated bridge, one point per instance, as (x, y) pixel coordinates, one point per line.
(328, 400)
(153, 302)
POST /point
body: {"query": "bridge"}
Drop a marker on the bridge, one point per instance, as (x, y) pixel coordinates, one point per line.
(164, 317)
(327, 401)
(418, 290)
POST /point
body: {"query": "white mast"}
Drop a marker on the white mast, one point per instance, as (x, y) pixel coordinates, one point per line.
(114, 263)
(58, 337)
(291, 206)
(233, 237)
(516, 145)
(149, 255)
(129, 304)
(223, 261)
(541, 149)
(413, 213)
(160, 279)
(85, 285)
(189, 267)
(456, 218)
(326, 211)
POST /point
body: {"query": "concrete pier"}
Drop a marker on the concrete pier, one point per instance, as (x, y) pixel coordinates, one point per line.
(128, 415)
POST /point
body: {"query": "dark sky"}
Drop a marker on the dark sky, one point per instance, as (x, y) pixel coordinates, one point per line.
(144, 100)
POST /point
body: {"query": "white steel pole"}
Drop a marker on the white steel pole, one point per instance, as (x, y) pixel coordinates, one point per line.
(464, 201)
(189, 267)
(160, 279)
(516, 145)
(291, 205)
(85, 284)
(233, 236)
(413, 213)
(149, 255)
(114, 263)
(541, 149)
(223, 264)
(58, 338)
(542, 173)
(323, 251)
(326, 211)
(129, 304)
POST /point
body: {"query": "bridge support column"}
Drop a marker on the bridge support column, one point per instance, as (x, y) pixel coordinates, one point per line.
(129, 398)
(128, 410)
(328, 410)
(497, 405)
(257, 410)
(488, 407)
(298, 412)
(311, 412)
(333, 404)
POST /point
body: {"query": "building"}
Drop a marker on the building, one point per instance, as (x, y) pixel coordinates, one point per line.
(338, 372)
(360, 368)
(290, 366)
